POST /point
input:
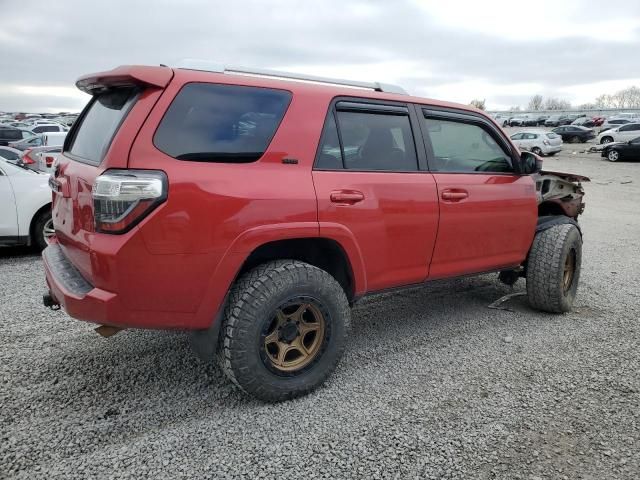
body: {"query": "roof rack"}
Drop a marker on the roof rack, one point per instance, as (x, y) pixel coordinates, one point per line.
(209, 66)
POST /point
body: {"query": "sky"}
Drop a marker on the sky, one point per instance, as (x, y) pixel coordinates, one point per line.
(456, 50)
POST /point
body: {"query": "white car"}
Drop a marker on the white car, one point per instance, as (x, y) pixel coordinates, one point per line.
(25, 216)
(623, 133)
(49, 127)
(538, 142)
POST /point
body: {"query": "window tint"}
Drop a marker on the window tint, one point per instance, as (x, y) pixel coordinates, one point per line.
(530, 136)
(464, 147)
(634, 127)
(8, 154)
(46, 128)
(551, 135)
(101, 121)
(635, 141)
(517, 136)
(11, 134)
(221, 123)
(329, 155)
(376, 141)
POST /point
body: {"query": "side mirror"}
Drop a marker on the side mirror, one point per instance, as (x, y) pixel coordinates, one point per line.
(530, 163)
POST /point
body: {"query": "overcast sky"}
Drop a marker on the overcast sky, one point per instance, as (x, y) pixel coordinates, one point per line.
(503, 51)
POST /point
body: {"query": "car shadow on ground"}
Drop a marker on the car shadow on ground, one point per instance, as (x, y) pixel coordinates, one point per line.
(21, 251)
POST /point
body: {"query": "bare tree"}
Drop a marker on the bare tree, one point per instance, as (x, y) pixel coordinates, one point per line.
(478, 103)
(557, 104)
(625, 98)
(515, 108)
(536, 102)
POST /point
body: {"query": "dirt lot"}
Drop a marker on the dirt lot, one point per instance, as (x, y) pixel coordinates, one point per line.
(433, 384)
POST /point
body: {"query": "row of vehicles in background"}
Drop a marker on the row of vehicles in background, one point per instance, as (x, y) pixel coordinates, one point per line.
(557, 120)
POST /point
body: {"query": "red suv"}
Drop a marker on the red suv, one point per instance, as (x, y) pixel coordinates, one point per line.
(254, 208)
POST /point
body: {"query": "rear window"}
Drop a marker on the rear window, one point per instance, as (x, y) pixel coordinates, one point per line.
(551, 135)
(11, 134)
(221, 123)
(101, 119)
(46, 128)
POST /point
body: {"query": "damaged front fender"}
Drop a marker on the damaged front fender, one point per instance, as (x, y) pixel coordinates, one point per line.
(560, 193)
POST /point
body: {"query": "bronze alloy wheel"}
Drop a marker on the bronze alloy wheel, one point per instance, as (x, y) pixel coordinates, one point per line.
(569, 269)
(294, 336)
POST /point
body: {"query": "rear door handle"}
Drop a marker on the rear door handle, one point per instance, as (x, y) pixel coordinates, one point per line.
(454, 195)
(346, 197)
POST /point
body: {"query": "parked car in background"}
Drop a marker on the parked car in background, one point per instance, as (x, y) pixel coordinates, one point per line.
(557, 120)
(9, 135)
(25, 216)
(45, 140)
(538, 142)
(574, 133)
(49, 127)
(623, 133)
(597, 120)
(613, 123)
(502, 119)
(536, 120)
(10, 154)
(622, 150)
(40, 158)
(584, 122)
(24, 144)
(518, 121)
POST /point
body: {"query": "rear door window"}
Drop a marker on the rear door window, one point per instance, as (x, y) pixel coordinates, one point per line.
(91, 138)
(221, 123)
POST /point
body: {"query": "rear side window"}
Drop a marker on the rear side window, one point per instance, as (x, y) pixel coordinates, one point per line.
(221, 123)
(551, 135)
(11, 134)
(100, 121)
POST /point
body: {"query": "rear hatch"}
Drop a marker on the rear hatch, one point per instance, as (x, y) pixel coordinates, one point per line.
(553, 139)
(99, 140)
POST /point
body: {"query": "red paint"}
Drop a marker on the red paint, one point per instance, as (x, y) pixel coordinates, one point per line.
(174, 269)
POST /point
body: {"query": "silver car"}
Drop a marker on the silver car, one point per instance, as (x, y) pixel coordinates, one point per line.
(538, 142)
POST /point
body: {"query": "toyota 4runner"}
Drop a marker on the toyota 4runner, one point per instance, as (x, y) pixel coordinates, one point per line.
(255, 207)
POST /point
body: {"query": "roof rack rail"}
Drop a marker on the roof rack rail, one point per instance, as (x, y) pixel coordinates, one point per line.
(209, 66)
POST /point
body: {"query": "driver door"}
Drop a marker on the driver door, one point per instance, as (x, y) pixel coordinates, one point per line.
(488, 212)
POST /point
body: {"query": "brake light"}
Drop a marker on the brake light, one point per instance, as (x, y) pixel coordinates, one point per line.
(49, 160)
(122, 198)
(26, 158)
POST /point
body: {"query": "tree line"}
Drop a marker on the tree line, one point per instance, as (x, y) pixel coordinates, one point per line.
(626, 98)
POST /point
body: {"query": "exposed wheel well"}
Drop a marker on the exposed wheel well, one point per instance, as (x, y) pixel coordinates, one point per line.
(550, 208)
(44, 208)
(321, 252)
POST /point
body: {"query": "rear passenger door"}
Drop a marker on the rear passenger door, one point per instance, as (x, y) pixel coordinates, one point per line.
(372, 187)
(628, 132)
(488, 212)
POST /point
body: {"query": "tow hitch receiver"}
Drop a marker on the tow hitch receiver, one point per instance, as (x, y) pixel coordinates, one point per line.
(49, 301)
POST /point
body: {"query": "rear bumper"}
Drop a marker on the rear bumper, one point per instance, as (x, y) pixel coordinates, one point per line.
(551, 149)
(83, 301)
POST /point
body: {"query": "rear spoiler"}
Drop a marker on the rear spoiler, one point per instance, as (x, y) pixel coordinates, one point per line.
(126, 75)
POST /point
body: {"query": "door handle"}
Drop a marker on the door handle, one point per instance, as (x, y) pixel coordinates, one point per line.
(454, 195)
(348, 197)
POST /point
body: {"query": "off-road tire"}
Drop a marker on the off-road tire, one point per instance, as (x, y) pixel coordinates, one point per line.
(37, 229)
(252, 302)
(546, 265)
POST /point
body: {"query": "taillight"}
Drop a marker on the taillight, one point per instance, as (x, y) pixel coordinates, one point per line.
(122, 198)
(26, 158)
(49, 160)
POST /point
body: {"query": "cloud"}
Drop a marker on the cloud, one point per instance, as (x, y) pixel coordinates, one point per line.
(455, 50)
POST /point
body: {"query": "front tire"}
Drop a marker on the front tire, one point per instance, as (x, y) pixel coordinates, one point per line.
(553, 268)
(284, 330)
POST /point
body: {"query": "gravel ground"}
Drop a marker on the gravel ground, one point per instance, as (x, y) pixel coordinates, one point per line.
(433, 384)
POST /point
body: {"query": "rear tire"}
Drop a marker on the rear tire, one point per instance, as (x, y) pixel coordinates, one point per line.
(536, 150)
(41, 229)
(553, 268)
(575, 139)
(605, 140)
(264, 349)
(613, 155)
